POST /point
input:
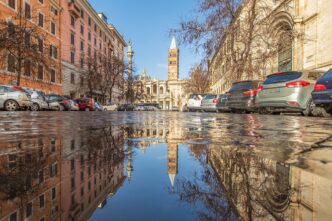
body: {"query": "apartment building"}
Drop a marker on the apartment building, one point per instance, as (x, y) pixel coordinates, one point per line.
(88, 38)
(43, 17)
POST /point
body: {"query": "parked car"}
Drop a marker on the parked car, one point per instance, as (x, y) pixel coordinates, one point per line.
(242, 96)
(288, 92)
(322, 94)
(13, 100)
(126, 107)
(111, 107)
(74, 105)
(99, 107)
(37, 98)
(140, 107)
(222, 104)
(175, 108)
(86, 104)
(58, 102)
(210, 102)
(194, 102)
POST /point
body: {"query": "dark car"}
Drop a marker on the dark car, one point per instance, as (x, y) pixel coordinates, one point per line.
(86, 104)
(222, 104)
(63, 101)
(126, 107)
(322, 94)
(242, 96)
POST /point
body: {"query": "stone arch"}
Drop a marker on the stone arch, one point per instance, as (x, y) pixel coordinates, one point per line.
(282, 29)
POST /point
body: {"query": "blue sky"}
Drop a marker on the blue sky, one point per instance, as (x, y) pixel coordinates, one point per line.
(147, 23)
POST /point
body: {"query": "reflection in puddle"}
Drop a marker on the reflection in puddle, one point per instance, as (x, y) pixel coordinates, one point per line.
(155, 170)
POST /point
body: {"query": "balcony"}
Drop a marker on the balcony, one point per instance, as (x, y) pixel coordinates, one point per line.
(74, 9)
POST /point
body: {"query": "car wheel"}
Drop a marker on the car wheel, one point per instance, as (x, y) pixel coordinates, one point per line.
(35, 107)
(11, 105)
(310, 107)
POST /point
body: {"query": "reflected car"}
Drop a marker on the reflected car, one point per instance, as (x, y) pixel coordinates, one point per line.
(99, 107)
(126, 107)
(288, 92)
(322, 94)
(111, 107)
(74, 105)
(242, 96)
(37, 98)
(13, 100)
(194, 102)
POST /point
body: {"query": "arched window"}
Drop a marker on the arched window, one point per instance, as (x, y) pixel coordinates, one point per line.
(161, 90)
(285, 51)
(148, 90)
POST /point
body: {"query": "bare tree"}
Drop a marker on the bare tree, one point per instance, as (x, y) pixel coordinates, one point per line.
(24, 43)
(199, 80)
(92, 76)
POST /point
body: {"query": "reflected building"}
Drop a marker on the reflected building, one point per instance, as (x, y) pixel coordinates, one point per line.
(262, 189)
(30, 179)
(172, 163)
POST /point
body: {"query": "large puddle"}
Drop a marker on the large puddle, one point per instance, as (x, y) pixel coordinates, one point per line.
(164, 166)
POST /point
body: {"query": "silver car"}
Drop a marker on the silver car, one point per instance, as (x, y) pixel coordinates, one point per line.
(13, 100)
(288, 92)
(38, 101)
(210, 102)
(194, 102)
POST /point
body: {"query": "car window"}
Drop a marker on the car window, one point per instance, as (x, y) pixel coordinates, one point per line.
(210, 96)
(282, 77)
(328, 74)
(2, 89)
(246, 85)
(9, 89)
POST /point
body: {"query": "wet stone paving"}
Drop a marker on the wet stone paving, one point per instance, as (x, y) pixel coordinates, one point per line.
(164, 166)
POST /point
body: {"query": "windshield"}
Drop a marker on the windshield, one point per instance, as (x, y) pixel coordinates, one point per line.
(210, 96)
(328, 74)
(282, 77)
(246, 85)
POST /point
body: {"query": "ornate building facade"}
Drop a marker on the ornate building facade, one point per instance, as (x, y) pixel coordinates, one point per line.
(306, 45)
(169, 94)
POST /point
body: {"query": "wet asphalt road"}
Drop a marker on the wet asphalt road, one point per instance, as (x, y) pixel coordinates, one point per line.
(302, 141)
(197, 166)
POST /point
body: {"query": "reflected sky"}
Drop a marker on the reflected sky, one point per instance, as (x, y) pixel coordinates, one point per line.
(164, 166)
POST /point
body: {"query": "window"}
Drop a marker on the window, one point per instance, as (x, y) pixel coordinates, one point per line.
(54, 170)
(53, 51)
(82, 62)
(41, 201)
(72, 57)
(53, 81)
(41, 176)
(95, 27)
(89, 36)
(41, 1)
(82, 83)
(11, 63)
(53, 193)
(82, 191)
(13, 217)
(27, 10)
(54, 10)
(72, 81)
(28, 210)
(52, 27)
(72, 38)
(42, 219)
(27, 68)
(89, 51)
(41, 45)
(73, 183)
(27, 39)
(12, 4)
(40, 72)
(82, 29)
(72, 21)
(82, 46)
(95, 41)
(40, 20)
(82, 13)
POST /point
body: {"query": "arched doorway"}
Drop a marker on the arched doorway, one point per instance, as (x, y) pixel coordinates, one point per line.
(154, 89)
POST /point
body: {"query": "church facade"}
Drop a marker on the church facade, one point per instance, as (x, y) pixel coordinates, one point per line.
(169, 94)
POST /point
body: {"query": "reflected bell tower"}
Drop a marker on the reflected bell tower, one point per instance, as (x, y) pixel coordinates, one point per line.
(172, 163)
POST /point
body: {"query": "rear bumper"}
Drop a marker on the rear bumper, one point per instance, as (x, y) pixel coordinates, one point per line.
(322, 98)
(280, 106)
(209, 107)
(194, 108)
(248, 104)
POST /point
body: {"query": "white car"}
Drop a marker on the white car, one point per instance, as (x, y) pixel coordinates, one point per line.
(194, 102)
(111, 107)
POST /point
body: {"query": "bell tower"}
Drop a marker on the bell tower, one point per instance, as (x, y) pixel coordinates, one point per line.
(173, 61)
